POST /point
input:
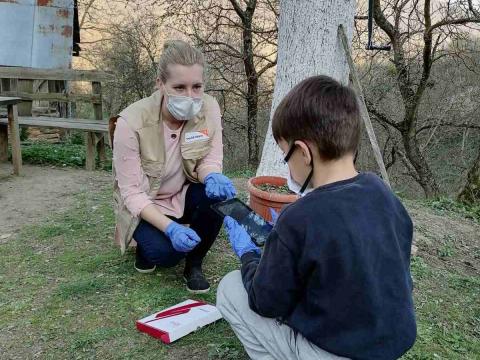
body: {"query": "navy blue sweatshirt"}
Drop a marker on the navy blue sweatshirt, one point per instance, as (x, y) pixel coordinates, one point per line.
(336, 269)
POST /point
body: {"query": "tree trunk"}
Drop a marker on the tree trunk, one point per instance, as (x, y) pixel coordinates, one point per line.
(471, 191)
(252, 109)
(307, 45)
(252, 90)
(424, 175)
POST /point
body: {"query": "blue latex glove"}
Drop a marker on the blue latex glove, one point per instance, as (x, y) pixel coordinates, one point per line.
(183, 238)
(239, 239)
(219, 187)
(274, 216)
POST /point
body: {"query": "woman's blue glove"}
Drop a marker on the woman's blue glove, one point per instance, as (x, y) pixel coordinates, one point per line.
(218, 186)
(239, 239)
(183, 238)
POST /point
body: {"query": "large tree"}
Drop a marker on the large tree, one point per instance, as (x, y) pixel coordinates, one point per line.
(239, 39)
(421, 34)
(307, 45)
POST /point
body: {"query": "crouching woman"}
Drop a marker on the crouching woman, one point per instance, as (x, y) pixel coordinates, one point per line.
(167, 157)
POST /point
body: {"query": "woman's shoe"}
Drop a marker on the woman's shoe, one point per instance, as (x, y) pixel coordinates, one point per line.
(196, 281)
(142, 265)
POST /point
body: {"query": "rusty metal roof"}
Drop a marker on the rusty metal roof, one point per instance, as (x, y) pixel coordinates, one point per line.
(36, 33)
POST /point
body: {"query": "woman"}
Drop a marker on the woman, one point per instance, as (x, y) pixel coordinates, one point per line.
(167, 159)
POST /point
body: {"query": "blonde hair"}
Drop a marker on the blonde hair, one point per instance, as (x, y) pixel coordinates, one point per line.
(178, 52)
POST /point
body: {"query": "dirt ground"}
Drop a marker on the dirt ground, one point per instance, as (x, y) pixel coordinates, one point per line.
(39, 192)
(44, 191)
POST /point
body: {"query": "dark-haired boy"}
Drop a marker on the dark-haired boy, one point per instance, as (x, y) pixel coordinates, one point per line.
(334, 278)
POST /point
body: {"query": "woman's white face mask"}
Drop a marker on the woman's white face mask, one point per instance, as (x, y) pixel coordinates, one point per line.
(183, 107)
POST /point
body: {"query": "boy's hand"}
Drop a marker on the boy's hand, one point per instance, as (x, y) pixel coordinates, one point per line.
(274, 216)
(239, 239)
(218, 186)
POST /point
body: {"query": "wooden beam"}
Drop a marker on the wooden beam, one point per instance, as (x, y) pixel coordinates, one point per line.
(90, 98)
(97, 110)
(9, 100)
(3, 142)
(62, 123)
(90, 155)
(10, 72)
(25, 86)
(357, 86)
(15, 139)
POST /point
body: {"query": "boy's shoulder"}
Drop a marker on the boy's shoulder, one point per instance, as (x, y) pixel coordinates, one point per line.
(364, 187)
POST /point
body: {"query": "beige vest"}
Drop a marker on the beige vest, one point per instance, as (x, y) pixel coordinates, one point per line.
(144, 118)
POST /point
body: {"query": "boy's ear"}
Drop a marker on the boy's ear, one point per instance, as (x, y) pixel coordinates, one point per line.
(306, 154)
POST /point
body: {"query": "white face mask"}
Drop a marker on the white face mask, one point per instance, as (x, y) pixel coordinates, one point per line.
(296, 187)
(183, 107)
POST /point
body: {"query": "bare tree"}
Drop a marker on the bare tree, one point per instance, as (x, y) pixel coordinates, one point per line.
(240, 41)
(470, 193)
(420, 34)
(129, 47)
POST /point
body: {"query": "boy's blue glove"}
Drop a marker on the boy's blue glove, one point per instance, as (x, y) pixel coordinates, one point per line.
(274, 216)
(183, 238)
(218, 186)
(239, 239)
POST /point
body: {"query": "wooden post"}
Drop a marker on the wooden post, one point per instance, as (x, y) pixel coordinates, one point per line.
(98, 113)
(363, 107)
(15, 136)
(25, 107)
(90, 155)
(3, 143)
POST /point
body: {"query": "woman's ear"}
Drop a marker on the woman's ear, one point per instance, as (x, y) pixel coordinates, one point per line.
(305, 151)
(158, 83)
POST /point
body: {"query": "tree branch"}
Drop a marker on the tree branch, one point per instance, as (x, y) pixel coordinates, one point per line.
(449, 124)
(472, 9)
(238, 10)
(462, 21)
(381, 116)
(382, 21)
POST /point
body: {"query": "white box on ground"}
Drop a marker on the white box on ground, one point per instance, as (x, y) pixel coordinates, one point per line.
(177, 321)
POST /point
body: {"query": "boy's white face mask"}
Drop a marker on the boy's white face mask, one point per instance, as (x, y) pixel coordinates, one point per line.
(183, 107)
(298, 189)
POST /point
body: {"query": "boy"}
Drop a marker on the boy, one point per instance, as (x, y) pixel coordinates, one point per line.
(334, 278)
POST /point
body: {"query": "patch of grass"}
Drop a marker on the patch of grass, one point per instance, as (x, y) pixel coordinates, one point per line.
(67, 293)
(447, 248)
(447, 311)
(71, 154)
(243, 173)
(445, 205)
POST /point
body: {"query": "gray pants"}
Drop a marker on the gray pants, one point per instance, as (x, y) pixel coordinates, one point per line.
(263, 338)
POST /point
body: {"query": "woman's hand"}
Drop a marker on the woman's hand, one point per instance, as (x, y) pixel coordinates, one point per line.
(239, 239)
(220, 187)
(183, 238)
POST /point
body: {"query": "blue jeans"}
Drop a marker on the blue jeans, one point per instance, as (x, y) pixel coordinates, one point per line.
(156, 248)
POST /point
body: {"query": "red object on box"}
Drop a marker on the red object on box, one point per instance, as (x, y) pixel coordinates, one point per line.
(175, 322)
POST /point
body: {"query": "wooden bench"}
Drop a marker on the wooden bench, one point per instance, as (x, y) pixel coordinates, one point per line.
(19, 82)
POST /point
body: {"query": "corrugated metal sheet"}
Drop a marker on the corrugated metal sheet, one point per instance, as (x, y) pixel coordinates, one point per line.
(36, 33)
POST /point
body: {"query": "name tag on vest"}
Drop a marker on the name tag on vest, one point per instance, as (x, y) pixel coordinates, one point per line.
(196, 136)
